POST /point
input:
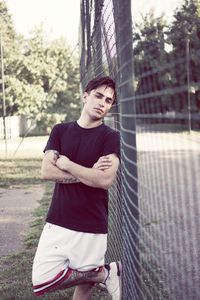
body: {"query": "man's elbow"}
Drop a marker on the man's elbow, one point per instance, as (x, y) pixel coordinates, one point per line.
(106, 183)
(45, 174)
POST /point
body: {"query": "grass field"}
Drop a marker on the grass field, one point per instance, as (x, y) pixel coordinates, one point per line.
(15, 275)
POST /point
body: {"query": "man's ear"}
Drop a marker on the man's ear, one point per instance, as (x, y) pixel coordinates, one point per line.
(85, 97)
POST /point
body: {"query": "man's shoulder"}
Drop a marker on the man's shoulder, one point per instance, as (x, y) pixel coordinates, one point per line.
(108, 130)
(63, 126)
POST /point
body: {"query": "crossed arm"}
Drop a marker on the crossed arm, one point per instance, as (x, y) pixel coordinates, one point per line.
(62, 169)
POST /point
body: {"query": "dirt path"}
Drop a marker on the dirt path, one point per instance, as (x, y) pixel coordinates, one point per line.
(16, 207)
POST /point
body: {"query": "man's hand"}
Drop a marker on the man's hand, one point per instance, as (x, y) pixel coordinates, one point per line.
(62, 162)
(103, 163)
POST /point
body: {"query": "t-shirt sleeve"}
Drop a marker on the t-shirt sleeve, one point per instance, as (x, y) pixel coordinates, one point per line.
(112, 144)
(53, 142)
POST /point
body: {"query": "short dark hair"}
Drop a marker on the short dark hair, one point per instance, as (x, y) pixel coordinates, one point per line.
(99, 81)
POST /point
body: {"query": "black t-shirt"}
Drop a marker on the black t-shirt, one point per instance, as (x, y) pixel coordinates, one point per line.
(77, 206)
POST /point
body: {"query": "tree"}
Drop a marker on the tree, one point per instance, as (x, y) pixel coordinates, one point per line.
(11, 51)
(150, 58)
(65, 86)
(41, 77)
(185, 31)
(50, 72)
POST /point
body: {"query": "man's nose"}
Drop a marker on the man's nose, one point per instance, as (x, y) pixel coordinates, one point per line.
(102, 103)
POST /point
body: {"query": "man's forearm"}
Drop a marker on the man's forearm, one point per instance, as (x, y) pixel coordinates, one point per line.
(53, 173)
(101, 175)
(89, 176)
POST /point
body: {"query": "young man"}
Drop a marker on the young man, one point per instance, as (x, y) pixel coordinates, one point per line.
(82, 157)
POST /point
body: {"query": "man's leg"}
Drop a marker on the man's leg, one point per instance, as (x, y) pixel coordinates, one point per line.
(109, 276)
(76, 278)
(83, 292)
(54, 269)
(69, 278)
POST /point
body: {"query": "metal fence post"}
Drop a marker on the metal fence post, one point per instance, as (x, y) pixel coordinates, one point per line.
(98, 38)
(82, 43)
(124, 47)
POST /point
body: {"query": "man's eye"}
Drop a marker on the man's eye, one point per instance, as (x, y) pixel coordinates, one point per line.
(98, 96)
(109, 101)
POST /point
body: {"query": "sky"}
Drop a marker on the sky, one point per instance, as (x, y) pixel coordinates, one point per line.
(143, 6)
(61, 17)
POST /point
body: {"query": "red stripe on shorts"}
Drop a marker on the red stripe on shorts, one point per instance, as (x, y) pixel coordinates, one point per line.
(48, 285)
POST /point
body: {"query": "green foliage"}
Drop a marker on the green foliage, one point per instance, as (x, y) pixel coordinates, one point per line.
(47, 120)
(149, 55)
(161, 57)
(6, 24)
(41, 77)
(11, 52)
(17, 172)
(186, 29)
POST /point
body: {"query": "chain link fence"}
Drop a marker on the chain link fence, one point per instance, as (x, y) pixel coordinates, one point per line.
(154, 225)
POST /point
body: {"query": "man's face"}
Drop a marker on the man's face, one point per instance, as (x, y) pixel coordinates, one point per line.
(98, 102)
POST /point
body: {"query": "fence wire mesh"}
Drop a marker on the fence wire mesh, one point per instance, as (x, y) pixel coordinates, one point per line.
(154, 226)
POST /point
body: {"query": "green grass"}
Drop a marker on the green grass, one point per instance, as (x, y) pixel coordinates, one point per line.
(20, 172)
(21, 165)
(15, 275)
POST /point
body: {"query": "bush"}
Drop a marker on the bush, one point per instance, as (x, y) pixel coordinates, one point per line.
(45, 123)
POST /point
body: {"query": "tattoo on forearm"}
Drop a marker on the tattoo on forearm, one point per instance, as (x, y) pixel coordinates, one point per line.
(67, 180)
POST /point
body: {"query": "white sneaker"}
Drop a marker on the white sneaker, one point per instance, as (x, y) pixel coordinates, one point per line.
(113, 282)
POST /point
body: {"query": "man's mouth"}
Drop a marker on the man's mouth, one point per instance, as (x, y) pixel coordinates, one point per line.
(99, 110)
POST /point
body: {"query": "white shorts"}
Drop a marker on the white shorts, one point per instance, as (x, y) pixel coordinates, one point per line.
(60, 248)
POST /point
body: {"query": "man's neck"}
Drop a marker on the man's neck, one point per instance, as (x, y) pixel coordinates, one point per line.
(87, 123)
